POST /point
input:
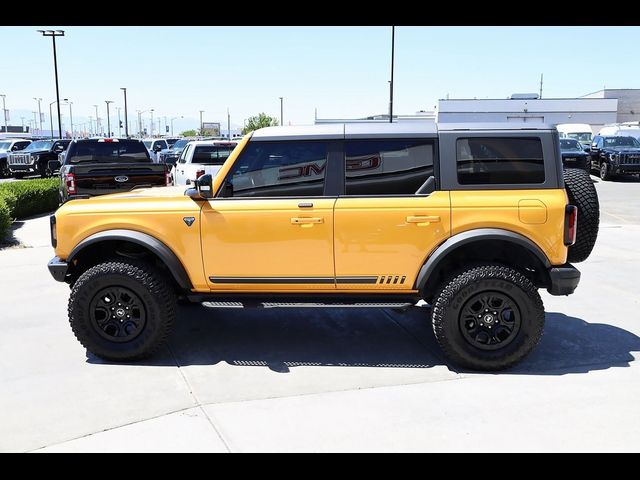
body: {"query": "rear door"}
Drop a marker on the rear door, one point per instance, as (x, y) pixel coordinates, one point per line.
(384, 230)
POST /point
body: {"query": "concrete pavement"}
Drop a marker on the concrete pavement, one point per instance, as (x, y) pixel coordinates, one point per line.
(325, 380)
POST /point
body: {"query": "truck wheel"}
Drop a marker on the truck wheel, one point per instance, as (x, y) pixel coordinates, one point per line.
(4, 169)
(18, 175)
(122, 310)
(488, 318)
(582, 193)
(605, 172)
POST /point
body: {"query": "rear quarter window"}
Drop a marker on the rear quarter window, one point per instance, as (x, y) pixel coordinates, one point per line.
(487, 161)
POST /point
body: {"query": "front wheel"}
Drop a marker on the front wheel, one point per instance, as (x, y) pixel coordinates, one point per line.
(488, 318)
(605, 172)
(122, 310)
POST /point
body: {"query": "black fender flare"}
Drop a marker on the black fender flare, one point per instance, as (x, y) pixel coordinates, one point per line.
(145, 240)
(470, 236)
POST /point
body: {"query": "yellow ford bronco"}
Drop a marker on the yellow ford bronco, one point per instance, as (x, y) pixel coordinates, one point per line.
(473, 219)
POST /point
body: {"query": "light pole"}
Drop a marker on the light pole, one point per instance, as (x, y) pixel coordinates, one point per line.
(108, 119)
(228, 124)
(97, 121)
(22, 121)
(90, 124)
(119, 122)
(126, 114)
(174, 118)
(53, 34)
(140, 112)
(4, 113)
(70, 114)
(393, 49)
(39, 113)
(34, 120)
(51, 117)
(281, 110)
(201, 112)
(151, 126)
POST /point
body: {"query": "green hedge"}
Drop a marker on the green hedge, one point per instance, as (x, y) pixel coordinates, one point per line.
(26, 198)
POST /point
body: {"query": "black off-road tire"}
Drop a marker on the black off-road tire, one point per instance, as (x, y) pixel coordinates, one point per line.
(152, 289)
(605, 171)
(453, 300)
(582, 193)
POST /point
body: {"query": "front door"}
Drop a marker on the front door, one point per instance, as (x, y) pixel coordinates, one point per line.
(384, 228)
(273, 228)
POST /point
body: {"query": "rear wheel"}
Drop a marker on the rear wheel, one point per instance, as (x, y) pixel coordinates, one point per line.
(488, 318)
(582, 193)
(122, 310)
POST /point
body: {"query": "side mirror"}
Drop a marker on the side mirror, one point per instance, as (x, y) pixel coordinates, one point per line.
(157, 148)
(54, 166)
(204, 186)
(594, 146)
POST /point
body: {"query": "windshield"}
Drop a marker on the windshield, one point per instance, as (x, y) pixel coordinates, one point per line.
(621, 142)
(211, 154)
(4, 146)
(179, 144)
(569, 144)
(147, 143)
(41, 145)
(109, 152)
(580, 136)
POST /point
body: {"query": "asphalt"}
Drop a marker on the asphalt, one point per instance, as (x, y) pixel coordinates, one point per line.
(325, 380)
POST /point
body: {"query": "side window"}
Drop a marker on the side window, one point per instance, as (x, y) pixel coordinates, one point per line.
(387, 167)
(487, 161)
(279, 169)
(185, 152)
(600, 142)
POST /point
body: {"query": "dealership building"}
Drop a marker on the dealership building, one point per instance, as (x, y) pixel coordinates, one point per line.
(596, 109)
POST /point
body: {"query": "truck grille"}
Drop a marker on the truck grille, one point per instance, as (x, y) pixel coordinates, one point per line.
(630, 159)
(19, 159)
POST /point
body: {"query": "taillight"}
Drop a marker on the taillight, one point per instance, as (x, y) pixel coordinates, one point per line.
(199, 173)
(570, 224)
(70, 180)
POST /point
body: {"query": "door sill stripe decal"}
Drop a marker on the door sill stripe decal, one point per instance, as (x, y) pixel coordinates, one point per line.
(295, 280)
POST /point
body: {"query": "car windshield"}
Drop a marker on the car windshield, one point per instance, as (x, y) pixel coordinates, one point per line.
(4, 146)
(211, 154)
(179, 144)
(110, 152)
(41, 145)
(580, 136)
(147, 143)
(569, 144)
(621, 142)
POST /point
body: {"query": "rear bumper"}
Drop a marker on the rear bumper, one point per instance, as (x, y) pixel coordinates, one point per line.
(58, 269)
(564, 279)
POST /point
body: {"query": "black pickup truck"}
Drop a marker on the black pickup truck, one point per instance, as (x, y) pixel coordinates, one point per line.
(106, 165)
(35, 158)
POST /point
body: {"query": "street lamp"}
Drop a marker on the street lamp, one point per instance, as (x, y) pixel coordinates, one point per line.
(53, 34)
(119, 122)
(126, 114)
(281, 110)
(201, 128)
(151, 127)
(51, 117)
(174, 118)
(70, 114)
(108, 119)
(4, 112)
(393, 49)
(140, 112)
(97, 121)
(39, 113)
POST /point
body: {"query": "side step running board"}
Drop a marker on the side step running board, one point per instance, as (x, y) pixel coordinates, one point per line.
(304, 305)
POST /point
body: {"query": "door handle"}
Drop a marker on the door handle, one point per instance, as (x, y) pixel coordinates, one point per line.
(306, 222)
(422, 220)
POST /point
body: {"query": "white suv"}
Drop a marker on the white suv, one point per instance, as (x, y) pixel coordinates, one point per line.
(199, 158)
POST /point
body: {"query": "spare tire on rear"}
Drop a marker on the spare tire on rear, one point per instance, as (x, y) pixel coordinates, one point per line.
(583, 195)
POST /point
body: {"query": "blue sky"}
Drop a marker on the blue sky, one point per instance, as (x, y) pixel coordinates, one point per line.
(341, 71)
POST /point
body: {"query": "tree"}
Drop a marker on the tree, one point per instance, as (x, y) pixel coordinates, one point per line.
(260, 121)
(189, 133)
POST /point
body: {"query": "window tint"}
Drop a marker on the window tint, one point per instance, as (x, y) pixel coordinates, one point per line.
(387, 167)
(485, 161)
(279, 169)
(109, 152)
(211, 154)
